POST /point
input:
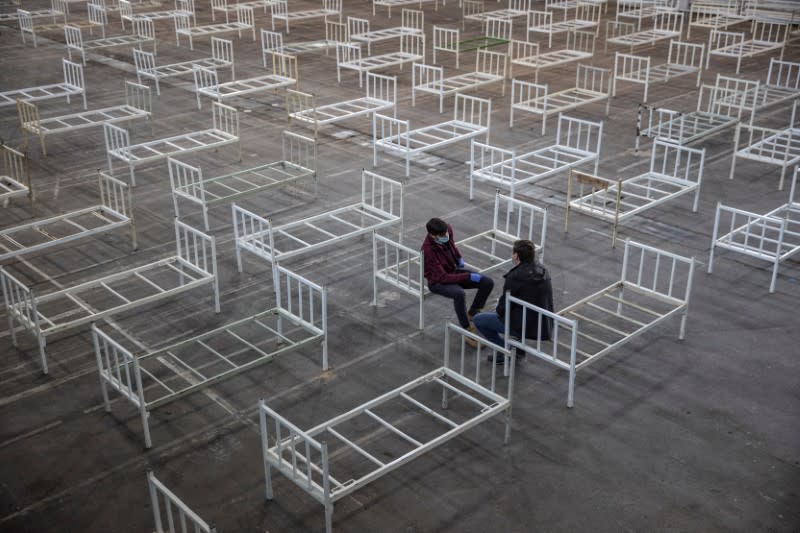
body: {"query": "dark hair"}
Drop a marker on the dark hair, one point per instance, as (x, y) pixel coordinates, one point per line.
(436, 226)
(525, 251)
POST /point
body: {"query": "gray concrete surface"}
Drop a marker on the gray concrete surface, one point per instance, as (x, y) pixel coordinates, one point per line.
(665, 435)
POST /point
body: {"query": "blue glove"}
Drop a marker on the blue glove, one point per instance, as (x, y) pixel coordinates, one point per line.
(460, 262)
(474, 277)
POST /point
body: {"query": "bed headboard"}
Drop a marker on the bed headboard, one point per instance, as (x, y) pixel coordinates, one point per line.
(496, 164)
(383, 88)
(302, 302)
(299, 151)
(174, 509)
(119, 368)
(784, 74)
(20, 302)
(195, 248)
(680, 162)
(382, 194)
(520, 220)
(686, 54)
(657, 271)
(139, 97)
(579, 134)
(473, 110)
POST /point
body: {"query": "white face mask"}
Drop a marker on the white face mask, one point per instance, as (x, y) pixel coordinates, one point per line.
(443, 239)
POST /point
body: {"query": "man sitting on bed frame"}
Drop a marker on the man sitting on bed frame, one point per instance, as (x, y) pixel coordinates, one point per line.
(446, 275)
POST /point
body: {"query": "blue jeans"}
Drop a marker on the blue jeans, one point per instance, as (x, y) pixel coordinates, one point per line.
(455, 291)
(491, 326)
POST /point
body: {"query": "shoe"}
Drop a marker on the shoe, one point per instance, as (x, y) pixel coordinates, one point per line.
(472, 343)
(472, 312)
(502, 358)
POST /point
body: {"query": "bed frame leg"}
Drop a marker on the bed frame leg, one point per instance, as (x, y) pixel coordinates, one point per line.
(329, 518)
(774, 275)
(148, 443)
(571, 391)
(42, 343)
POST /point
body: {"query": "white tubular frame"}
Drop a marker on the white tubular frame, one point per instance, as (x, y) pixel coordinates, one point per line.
(335, 33)
(783, 85)
(16, 178)
(224, 131)
(779, 147)
(654, 286)
(155, 378)
(145, 63)
(772, 237)
(666, 25)
(644, 9)
(674, 171)
(577, 143)
(413, 23)
(280, 11)
(171, 501)
(592, 85)
(195, 264)
(143, 32)
(475, 10)
(490, 67)
(181, 7)
(683, 59)
(138, 105)
(298, 162)
(114, 211)
(304, 459)
(284, 74)
(393, 3)
(381, 206)
(715, 15)
(401, 267)
(767, 37)
(244, 21)
(348, 56)
(73, 84)
(587, 17)
(471, 118)
(580, 46)
(381, 96)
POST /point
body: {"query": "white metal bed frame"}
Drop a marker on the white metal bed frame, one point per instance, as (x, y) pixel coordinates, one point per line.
(725, 104)
(381, 96)
(182, 511)
(782, 85)
(640, 10)
(224, 130)
(138, 105)
(25, 18)
(772, 146)
(403, 267)
(73, 84)
(496, 32)
(471, 10)
(773, 237)
(244, 22)
(767, 37)
(180, 7)
(335, 33)
(666, 26)
(490, 67)
(389, 4)
(157, 377)
(305, 459)
(16, 178)
(580, 46)
(227, 9)
(715, 15)
(577, 143)
(145, 63)
(654, 286)
(683, 59)
(143, 32)
(674, 171)
(280, 11)
(285, 74)
(194, 265)
(587, 17)
(115, 210)
(471, 118)
(592, 85)
(348, 56)
(412, 23)
(381, 206)
(56, 10)
(298, 162)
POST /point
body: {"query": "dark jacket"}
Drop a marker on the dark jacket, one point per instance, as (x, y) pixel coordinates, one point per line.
(441, 261)
(529, 282)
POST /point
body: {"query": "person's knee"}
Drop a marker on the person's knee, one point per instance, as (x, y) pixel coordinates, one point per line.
(482, 320)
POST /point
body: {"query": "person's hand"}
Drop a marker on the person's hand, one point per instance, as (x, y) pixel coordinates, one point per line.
(474, 277)
(460, 262)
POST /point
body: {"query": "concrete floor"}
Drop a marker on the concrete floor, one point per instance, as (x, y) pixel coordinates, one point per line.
(665, 435)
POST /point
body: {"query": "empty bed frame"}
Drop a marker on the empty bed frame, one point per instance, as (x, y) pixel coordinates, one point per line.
(773, 237)
(767, 37)
(143, 32)
(577, 143)
(381, 96)
(175, 511)
(381, 206)
(348, 56)
(73, 85)
(412, 23)
(654, 286)
(298, 162)
(115, 210)
(389, 4)
(284, 74)
(782, 85)
(666, 25)
(138, 105)
(15, 180)
(471, 118)
(193, 265)
(145, 63)
(490, 67)
(224, 131)
(684, 59)
(580, 46)
(592, 85)
(403, 267)
(674, 171)
(280, 11)
(157, 377)
(335, 33)
(715, 15)
(496, 32)
(244, 22)
(587, 17)
(459, 385)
